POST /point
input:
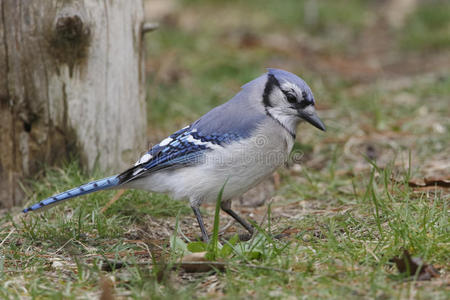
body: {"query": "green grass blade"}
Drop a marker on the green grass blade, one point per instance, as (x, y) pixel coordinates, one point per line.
(213, 247)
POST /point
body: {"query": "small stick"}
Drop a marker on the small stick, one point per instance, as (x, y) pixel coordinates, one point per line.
(149, 27)
(113, 199)
(10, 232)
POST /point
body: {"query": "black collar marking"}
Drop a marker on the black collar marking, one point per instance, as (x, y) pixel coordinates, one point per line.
(270, 84)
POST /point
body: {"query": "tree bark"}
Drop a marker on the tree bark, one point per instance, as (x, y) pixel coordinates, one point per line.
(71, 81)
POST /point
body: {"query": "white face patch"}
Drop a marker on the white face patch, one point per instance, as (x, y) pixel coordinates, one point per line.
(165, 142)
(285, 117)
(288, 86)
(145, 158)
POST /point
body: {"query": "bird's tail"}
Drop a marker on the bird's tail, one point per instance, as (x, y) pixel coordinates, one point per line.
(87, 188)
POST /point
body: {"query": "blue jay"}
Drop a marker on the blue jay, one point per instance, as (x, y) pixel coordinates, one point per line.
(240, 142)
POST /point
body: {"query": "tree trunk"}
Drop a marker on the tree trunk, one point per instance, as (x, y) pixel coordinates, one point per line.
(71, 81)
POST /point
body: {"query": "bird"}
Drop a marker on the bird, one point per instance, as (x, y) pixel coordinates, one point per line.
(230, 149)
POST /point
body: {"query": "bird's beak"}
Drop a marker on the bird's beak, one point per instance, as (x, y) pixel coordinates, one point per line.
(310, 116)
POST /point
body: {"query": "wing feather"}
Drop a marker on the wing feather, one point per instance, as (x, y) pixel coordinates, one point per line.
(184, 147)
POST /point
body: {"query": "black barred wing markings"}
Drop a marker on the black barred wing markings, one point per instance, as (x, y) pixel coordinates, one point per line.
(184, 147)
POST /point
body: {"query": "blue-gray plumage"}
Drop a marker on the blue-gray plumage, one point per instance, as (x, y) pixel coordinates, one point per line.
(240, 142)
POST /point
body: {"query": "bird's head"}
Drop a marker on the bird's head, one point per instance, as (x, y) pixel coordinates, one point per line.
(289, 100)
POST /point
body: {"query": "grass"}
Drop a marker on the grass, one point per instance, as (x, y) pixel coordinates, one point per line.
(342, 215)
(427, 29)
(330, 253)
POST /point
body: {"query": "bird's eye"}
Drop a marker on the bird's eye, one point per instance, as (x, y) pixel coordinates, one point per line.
(291, 98)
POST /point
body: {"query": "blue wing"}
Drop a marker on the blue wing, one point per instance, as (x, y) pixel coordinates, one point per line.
(184, 147)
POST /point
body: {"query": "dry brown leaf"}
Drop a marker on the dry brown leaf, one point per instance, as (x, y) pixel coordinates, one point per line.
(411, 265)
(431, 181)
(107, 288)
(197, 262)
(443, 181)
(416, 182)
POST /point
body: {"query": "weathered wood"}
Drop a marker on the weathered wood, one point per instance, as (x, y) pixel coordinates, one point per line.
(71, 81)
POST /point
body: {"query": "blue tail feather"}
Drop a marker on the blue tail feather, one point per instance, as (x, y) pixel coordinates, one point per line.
(87, 188)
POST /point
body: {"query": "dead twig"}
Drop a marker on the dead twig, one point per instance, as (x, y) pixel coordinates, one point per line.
(113, 199)
(9, 234)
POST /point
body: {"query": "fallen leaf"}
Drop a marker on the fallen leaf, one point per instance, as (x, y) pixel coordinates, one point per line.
(197, 262)
(439, 181)
(431, 181)
(107, 288)
(416, 182)
(197, 256)
(415, 265)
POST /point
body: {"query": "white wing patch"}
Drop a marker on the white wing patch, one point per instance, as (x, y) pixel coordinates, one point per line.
(165, 142)
(194, 141)
(137, 171)
(145, 158)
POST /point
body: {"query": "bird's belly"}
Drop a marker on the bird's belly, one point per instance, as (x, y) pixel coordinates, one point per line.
(204, 182)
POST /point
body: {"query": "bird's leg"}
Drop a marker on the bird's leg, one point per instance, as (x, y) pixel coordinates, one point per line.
(200, 223)
(226, 207)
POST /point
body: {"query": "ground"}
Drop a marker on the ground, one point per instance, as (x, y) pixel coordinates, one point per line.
(330, 222)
